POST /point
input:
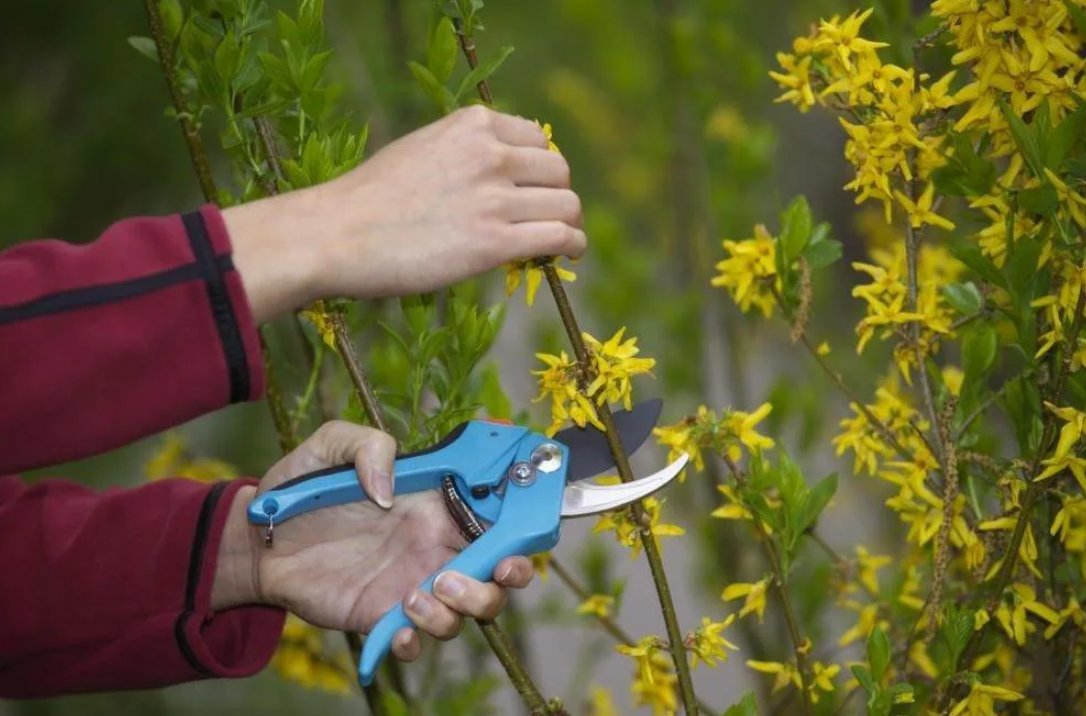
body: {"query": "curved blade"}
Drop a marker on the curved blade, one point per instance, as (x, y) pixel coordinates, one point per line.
(588, 499)
(589, 454)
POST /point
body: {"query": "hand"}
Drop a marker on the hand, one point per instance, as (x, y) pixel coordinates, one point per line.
(344, 567)
(451, 200)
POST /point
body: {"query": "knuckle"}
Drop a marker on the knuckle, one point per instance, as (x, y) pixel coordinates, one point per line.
(475, 115)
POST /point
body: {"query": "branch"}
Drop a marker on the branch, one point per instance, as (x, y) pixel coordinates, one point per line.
(618, 453)
(780, 578)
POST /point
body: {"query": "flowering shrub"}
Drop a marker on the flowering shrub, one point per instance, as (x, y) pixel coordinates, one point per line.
(971, 164)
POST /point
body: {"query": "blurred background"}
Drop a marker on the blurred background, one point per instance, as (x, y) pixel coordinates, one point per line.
(664, 110)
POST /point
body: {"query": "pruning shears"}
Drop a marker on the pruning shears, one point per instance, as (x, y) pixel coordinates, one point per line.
(506, 486)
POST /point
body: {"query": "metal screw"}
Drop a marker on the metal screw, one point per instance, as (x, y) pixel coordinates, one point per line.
(480, 492)
(522, 473)
(547, 457)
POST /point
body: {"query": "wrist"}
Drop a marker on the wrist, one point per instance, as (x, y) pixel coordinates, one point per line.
(276, 251)
(237, 577)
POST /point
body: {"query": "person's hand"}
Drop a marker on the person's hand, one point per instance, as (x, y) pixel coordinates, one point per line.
(453, 199)
(344, 567)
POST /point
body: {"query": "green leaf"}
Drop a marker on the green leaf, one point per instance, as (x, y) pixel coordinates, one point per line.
(878, 652)
(1040, 200)
(436, 91)
(970, 255)
(145, 46)
(1066, 134)
(822, 253)
(1022, 403)
(482, 72)
(227, 55)
(964, 297)
(815, 501)
(1025, 138)
(956, 630)
(966, 172)
(795, 228)
(1021, 269)
(442, 51)
(979, 347)
(172, 17)
(863, 675)
(747, 706)
(1078, 15)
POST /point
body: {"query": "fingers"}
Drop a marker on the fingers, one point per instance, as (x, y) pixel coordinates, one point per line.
(539, 204)
(517, 131)
(515, 572)
(532, 166)
(372, 452)
(529, 239)
(406, 645)
(431, 616)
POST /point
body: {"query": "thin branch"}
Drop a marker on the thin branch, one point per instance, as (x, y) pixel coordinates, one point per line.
(781, 580)
(614, 442)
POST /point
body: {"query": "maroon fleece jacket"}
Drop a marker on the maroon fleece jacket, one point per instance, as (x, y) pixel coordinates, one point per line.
(101, 344)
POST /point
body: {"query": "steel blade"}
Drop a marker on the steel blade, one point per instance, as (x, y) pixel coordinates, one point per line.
(586, 498)
(589, 454)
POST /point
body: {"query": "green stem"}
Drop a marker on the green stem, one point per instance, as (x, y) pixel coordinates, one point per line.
(781, 580)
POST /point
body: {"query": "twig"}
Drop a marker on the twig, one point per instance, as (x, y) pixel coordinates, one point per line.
(781, 580)
(618, 453)
(1029, 497)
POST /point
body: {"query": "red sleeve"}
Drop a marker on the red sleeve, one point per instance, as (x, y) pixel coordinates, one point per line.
(111, 590)
(100, 344)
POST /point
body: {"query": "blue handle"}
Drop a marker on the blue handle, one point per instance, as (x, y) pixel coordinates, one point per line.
(528, 523)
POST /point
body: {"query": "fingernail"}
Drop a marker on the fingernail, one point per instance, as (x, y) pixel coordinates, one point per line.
(382, 488)
(418, 604)
(449, 585)
(506, 573)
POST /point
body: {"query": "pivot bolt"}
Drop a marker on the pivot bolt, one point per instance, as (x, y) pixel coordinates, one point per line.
(547, 457)
(522, 473)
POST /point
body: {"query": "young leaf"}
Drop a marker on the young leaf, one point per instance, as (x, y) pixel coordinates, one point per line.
(1066, 134)
(822, 253)
(172, 18)
(863, 675)
(145, 46)
(436, 91)
(482, 72)
(1040, 200)
(795, 227)
(747, 706)
(1026, 140)
(878, 653)
(978, 351)
(442, 52)
(970, 255)
(964, 297)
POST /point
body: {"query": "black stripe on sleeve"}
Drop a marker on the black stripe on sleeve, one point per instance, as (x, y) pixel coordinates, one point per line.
(90, 296)
(221, 308)
(196, 563)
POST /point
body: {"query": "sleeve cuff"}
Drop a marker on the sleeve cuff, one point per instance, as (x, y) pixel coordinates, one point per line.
(235, 642)
(230, 308)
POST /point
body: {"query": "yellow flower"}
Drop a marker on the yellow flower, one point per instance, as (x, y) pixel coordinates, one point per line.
(654, 681)
(172, 459)
(823, 349)
(865, 624)
(607, 380)
(741, 426)
(822, 678)
(601, 703)
(981, 700)
(920, 212)
(322, 321)
(540, 562)
(1011, 612)
(301, 658)
(599, 605)
(796, 80)
(707, 643)
(628, 532)
(869, 565)
(784, 673)
(749, 274)
(531, 272)
(549, 133)
(753, 595)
